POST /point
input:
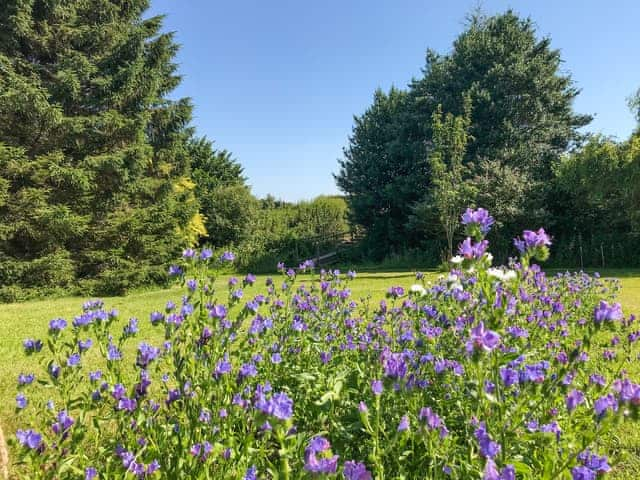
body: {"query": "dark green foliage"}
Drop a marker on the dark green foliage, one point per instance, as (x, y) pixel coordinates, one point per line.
(595, 202)
(451, 189)
(231, 215)
(93, 158)
(522, 121)
(225, 201)
(293, 232)
(383, 173)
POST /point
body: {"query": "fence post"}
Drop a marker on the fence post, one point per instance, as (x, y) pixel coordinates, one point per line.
(581, 260)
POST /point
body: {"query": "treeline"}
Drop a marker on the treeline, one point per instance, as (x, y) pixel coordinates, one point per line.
(491, 124)
(102, 179)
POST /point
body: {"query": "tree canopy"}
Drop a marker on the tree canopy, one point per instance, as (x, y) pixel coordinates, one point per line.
(522, 121)
(94, 164)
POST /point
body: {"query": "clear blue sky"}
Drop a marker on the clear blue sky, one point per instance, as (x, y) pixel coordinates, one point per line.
(278, 82)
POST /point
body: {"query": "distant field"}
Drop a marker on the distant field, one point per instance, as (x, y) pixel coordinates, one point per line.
(30, 319)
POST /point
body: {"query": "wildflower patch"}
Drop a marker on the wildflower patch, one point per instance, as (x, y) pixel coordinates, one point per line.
(494, 372)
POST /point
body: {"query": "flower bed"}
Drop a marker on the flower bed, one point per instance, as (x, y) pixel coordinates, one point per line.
(492, 372)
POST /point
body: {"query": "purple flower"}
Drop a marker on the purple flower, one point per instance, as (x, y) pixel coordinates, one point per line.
(479, 217)
(223, 366)
(574, 398)
(188, 253)
(468, 249)
(252, 473)
(531, 240)
(90, 473)
(583, 473)
(248, 370)
(146, 354)
(276, 358)
(29, 439)
(404, 423)
(281, 406)
(552, 427)
(156, 318)
(608, 402)
(127, 404)
(84, 345)
(218, 311)
(509, 376)
(206, 254)
(113, 353)
(356, 471)
(491, 472)
(488, 448)
(21, 401)
(482, 339)
(64, 423)
(73, 360)
(54, 370)
(326, 463)
(605, 312)
(201, 450)
(30, 345)
(118, 391)
(174, 271)
(26, 379)
(394, 364)
(594, 462)
(395, 292)
(431, 418)
(57, 325)
(376, 387)
(227, 257)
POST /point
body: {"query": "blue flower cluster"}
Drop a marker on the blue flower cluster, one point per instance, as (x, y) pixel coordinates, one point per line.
(490, 372)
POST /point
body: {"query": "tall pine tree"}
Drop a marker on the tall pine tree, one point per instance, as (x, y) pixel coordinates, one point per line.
(94, 167)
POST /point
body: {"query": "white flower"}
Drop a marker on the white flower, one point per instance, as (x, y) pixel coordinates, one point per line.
(510, 275)
(494, 272)
(457, 286)
(457, 260)
(452, 278)
(500, 274)
(489, 257)
(418, 289)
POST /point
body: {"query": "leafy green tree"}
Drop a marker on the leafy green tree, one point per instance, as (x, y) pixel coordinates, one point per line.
(217, 174)
(522, 102)
(231, 215)
(522, 121)
(323, 217)
(594, 202)
(450, 190)
(93, 154)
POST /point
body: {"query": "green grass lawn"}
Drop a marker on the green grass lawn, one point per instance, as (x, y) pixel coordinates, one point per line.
(30, 319)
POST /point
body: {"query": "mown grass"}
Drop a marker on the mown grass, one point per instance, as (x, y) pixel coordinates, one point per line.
(30, 319)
